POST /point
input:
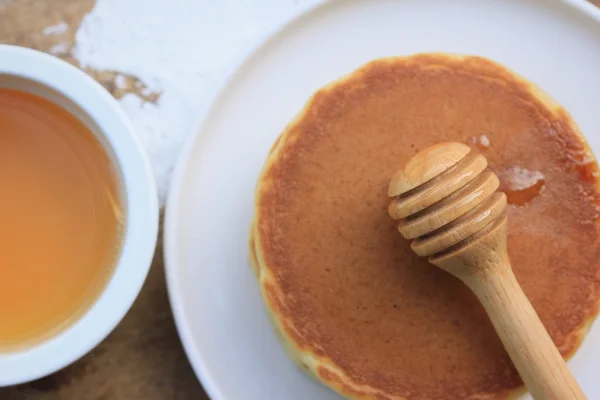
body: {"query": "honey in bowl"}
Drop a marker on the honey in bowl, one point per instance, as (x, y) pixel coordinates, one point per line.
(60, 219)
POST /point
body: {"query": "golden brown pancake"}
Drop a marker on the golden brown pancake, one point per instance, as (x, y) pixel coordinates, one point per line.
(351, 301)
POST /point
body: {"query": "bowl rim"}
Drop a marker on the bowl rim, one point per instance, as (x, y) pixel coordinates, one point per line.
(142, 220)
(198, 364)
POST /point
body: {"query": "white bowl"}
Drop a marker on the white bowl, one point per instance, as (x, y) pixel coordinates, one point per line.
(72, 89)
(215, 298)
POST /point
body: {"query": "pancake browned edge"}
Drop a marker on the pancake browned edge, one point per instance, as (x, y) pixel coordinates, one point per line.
(313, 357)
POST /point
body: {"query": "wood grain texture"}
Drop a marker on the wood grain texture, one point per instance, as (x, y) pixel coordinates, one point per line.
(465, 235)
(142, 358)
(484, 267)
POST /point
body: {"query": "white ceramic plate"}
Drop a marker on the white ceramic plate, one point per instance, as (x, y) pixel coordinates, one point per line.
(214, 294)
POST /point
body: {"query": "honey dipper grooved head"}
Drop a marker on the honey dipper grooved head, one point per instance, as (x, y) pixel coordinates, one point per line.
(443, 196)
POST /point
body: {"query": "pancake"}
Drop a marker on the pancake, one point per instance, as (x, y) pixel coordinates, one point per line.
(351, 302)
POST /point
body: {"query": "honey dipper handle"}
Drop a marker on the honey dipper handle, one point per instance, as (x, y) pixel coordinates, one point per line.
(527, 342)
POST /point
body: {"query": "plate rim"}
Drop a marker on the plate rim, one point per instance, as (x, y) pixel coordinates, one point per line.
(198, 365)
(175, 189)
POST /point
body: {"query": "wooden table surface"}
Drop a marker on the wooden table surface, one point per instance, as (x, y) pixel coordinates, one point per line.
(142, 358)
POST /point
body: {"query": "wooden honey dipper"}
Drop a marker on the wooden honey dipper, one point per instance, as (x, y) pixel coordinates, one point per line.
(446, 201)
